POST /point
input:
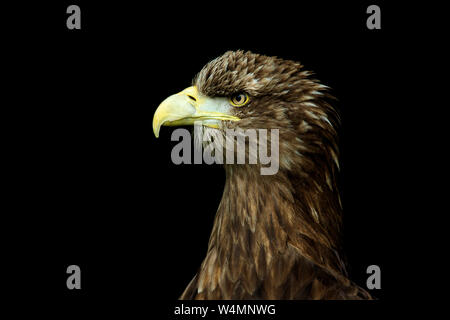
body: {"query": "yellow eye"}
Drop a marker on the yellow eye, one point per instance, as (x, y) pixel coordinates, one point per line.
(239, 99)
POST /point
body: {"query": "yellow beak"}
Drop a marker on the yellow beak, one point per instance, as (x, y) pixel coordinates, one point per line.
(190, 106)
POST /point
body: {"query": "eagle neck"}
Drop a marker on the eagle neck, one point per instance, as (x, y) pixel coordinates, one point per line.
(260, 220)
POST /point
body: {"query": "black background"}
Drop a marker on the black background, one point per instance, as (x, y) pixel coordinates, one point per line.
(91, 184)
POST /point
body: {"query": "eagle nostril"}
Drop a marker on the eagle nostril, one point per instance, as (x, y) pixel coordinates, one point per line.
(191, 97)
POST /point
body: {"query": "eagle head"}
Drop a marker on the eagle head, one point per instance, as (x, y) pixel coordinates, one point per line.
(251, 91)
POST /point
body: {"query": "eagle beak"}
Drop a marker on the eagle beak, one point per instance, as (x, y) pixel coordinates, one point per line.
(190, 106)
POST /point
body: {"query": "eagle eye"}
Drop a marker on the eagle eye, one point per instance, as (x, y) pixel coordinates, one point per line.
(239, 99)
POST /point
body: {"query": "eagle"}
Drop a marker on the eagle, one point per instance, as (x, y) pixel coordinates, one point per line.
(274, 236)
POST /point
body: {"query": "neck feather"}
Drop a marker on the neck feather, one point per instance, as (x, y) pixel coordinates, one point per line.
(261, 218)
